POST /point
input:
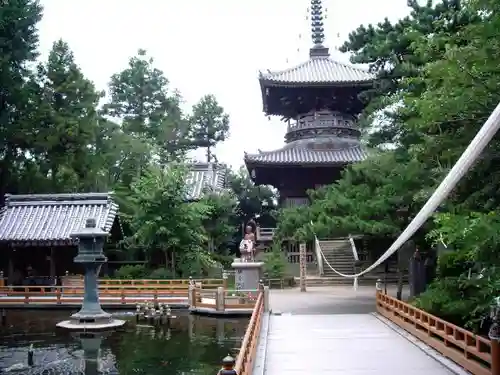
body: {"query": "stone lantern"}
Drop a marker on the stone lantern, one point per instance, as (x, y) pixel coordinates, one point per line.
(91, 256)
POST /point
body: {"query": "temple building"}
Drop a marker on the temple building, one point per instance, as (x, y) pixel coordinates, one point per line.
(319, 101)
(35, 229)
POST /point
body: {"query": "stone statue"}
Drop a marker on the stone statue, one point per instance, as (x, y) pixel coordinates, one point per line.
(247, 244)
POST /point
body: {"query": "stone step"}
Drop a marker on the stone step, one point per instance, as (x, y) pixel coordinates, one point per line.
(338, 280)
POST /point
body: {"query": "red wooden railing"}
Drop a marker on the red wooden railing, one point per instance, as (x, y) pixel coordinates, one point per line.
(472, 352)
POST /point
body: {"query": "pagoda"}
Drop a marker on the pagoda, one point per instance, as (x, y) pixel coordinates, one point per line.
(318, 100)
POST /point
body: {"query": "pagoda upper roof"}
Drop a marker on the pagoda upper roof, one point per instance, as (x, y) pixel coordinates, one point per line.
(293, 154)
(317, 71)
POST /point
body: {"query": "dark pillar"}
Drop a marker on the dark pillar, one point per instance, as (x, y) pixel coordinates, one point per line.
(52, 263)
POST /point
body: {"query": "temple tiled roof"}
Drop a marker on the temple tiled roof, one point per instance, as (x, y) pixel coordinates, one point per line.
(51, 218)
(203, 177)
(304, 156)
(318, 70)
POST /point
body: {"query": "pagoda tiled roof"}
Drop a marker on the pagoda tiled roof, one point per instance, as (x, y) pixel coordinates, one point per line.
(318, 70)
(305, 156)
(51, 218)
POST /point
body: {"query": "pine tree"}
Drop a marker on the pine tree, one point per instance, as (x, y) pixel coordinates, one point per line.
(18, 43)
(210, 124)
(67, 116)
(149, 110)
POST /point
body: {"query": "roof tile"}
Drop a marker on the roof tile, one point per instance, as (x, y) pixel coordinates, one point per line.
(319, 70)
(205, 176)
(53, 217)
(304, 156)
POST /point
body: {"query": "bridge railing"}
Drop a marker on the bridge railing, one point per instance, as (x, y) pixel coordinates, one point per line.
(243, 365)
(465, 348)
(248, 349)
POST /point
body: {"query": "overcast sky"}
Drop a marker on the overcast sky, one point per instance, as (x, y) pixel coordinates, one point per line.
(215, 46)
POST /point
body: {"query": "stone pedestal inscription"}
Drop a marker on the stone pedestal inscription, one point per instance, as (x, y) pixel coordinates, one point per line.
(248, 274)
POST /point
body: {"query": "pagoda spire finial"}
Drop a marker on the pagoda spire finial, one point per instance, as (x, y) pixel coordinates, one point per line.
(318, 35)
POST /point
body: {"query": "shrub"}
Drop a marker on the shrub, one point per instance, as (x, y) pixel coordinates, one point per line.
(162, 273)
(224, 260)
(275, 263)
(454, 264)
(129, 271)
(460, 300)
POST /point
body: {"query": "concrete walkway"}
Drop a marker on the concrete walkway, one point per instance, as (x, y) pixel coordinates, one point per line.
(333, 330)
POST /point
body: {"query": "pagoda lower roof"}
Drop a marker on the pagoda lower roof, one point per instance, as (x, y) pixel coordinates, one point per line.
(320, 71)
(305, 156)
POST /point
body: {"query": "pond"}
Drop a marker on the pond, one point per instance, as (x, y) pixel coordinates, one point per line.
(188, 345)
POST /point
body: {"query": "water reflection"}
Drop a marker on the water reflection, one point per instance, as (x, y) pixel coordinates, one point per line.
(188, 345)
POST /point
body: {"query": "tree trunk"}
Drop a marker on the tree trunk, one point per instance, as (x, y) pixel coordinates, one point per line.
(173, 264)
(209, 155)
(5, 173)
(53, 178)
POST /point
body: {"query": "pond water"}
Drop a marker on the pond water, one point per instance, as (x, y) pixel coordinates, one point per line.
(189, 345)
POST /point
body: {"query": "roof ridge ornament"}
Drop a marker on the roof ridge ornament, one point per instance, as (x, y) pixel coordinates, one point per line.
(318, 31)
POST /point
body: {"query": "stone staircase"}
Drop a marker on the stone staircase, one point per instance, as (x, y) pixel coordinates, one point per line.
(338, 253)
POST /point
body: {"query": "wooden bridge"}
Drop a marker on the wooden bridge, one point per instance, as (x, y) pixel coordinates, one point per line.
(396, 338)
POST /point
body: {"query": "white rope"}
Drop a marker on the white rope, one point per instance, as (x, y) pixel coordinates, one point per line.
(461, 167)
(356, 259)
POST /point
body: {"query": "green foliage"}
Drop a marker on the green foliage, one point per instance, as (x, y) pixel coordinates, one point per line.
(224, 260)
(161, 273)
(376, 197)
(454, 264)
(475, 233)
(219, 223)
(18, 43)
(210, 124)
(275, 263)
(468, 277)
(252, 200)
(131, 272)
(459, 300)
(163, 221)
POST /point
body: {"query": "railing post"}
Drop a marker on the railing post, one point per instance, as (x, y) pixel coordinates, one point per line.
(378, 286)
(495, 357)
(192, 296)
(219, 299)
(378, 291)
(224, 279)
(266, 299)
(228, 366)
(494, 335)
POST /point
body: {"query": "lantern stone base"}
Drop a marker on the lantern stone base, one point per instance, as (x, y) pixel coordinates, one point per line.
(248, 274)
(91, 324)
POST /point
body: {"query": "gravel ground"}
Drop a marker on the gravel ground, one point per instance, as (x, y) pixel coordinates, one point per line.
(326, 300)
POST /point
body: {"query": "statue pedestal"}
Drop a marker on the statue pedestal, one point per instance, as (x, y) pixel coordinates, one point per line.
(248, 274)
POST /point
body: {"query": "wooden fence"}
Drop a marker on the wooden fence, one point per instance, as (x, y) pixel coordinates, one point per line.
(114, 292)
(223, 301)
(472, 352)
